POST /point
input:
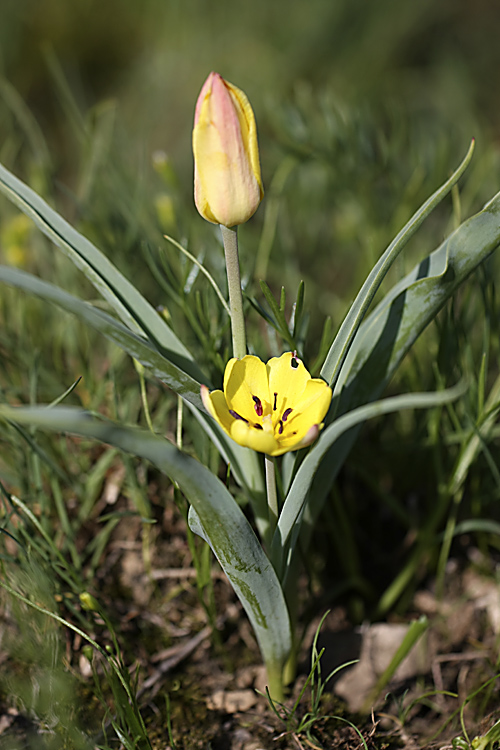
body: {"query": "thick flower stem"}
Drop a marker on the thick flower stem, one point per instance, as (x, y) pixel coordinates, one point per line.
(230, 240)
(272, 497)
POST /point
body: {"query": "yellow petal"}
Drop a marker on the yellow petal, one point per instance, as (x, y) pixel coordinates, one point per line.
(315, 401)
(247, 380)
(250, 437)
(310, 411)
(246, 115)
(310, 436)
(246, 410)
(228, 371)
(215, 404)
(287, 378)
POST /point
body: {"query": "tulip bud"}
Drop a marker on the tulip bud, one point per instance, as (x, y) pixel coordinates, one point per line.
(227, 181)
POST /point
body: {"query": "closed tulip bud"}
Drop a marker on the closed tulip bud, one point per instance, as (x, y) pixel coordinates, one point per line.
(227, 181)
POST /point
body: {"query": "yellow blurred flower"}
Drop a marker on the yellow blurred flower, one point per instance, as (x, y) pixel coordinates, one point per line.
(14, 240)
(272, 408)
(227, 181)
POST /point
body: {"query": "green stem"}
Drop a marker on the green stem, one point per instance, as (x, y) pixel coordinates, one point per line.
(230, 240)
(144, 396)
(272, 497)
(275, 681)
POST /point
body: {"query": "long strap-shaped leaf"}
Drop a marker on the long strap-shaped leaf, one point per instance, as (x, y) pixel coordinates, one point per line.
(244, 463)
(347, 331)
(395, 324)
(135, 311)
(392, 328)
(223, 523)
(137, 346)
(289, 521)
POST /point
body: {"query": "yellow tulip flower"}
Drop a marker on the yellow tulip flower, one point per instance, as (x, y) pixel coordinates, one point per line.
(227, 181)
(272, 408)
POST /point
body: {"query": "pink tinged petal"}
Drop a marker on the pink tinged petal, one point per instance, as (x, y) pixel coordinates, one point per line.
(228, 185)
(309, 437)
(204, 93)
(296, 442)
(215, 404)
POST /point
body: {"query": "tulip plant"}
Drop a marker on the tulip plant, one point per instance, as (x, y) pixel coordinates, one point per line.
(267, 414)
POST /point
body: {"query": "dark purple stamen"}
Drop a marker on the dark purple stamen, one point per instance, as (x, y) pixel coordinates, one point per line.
(237, 416)
(294, 362)
(275, 402)
(258, 426)
(280, 431)
(286, 414)
(258, 406)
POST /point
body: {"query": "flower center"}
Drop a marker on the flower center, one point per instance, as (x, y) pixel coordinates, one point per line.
(269, 424)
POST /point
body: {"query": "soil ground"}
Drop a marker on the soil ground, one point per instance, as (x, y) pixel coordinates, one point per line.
(214, 680)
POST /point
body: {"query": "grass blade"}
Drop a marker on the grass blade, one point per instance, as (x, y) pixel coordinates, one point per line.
(222, 521)
(137, 346)
(389, 332)
(345, 336)
(133, 309)
(289, 522)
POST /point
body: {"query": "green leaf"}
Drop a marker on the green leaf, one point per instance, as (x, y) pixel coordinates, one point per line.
(151, 341)
(416, 629)
(278, 311)
(282, 301)
(220, 519)
(393, 327)
(345, 336)
(275, 308)
(244, 462)
(298, 310)
(137, 346)
(132, 308)
(289, 523)
(389, 332)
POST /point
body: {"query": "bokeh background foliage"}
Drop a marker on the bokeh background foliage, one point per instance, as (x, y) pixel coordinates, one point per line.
(363, 109)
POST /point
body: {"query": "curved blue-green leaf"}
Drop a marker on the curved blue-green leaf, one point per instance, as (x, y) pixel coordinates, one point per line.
(131, 307)
(474, 526)
(389, 332)
(133, 343)
(290, 518)
(244, 463)
(392, 328)
(222, 521)
(347, 331)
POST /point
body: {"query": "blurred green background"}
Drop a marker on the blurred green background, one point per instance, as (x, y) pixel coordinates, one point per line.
(377, 102)
(363, 110)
